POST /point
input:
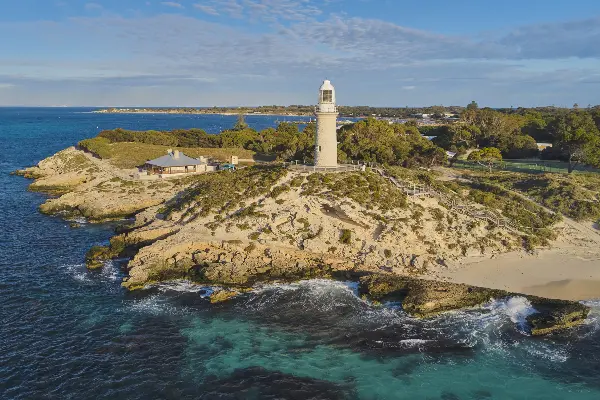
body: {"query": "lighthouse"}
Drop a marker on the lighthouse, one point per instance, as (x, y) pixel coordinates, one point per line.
(326, 140)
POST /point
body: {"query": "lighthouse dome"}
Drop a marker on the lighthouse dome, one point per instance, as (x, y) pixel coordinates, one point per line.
(327, 85)
(327, 97)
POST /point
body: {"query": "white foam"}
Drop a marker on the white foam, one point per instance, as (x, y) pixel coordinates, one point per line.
(110, 271)
(77, 271)
(414, 342)
(319, 294)
(156, 305)
(518, 309)
(185, 287)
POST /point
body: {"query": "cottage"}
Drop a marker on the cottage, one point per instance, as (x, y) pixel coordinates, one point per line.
(175, 162)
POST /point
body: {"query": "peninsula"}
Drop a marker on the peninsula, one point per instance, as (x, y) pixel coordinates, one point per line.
(399, 231)
(373, 202)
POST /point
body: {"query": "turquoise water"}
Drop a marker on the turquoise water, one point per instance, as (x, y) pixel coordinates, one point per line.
(69, 333)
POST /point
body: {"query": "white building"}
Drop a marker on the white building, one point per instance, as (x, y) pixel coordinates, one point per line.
(326, 139)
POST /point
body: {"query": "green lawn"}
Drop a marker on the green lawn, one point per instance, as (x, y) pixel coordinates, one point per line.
(133, 154)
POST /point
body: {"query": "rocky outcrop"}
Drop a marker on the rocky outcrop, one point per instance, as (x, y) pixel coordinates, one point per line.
(86, 187)
(221, 295)
(125, 245)
(230, 263)
(425, 298)
(555, 315)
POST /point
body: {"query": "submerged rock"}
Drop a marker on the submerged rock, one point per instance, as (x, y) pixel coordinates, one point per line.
(220, 296)
(424, 298)
(553, 315)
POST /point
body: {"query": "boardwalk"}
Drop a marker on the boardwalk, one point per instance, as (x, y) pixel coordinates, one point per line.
(413, 190)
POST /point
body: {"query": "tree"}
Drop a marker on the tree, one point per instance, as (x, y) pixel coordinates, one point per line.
(519, 146)
(486, 156)
(473, 105)
(452, 137)
(576, 134)
(240, 124)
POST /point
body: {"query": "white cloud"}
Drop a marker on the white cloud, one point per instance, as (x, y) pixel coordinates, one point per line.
(371, 61)
(263, 10)
(206, 9)
(93, 6)
(171, 4)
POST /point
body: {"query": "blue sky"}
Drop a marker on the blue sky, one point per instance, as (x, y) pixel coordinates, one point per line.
(256, 52)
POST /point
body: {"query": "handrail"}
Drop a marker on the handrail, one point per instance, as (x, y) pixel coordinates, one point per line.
(452, 203)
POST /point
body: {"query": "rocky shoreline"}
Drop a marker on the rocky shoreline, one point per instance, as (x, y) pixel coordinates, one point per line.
(267, 224)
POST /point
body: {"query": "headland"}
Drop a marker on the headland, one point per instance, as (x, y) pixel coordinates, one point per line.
(405, 234)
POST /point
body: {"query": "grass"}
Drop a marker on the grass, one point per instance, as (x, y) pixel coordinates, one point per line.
(131, 155)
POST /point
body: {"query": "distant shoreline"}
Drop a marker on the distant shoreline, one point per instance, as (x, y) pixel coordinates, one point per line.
(195, 112)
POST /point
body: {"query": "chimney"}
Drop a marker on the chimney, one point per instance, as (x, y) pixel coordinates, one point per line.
(169, 151)
(176, 154)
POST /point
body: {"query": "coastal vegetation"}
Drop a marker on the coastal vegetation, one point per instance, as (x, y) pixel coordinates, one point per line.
(576, 196)
(573, 133)
(378, 141)
(370, 140)
(270, 223)
(367, 189)
(223, 193)
(134, 154)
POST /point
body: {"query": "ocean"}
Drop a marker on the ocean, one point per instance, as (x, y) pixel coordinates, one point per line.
(66, 333)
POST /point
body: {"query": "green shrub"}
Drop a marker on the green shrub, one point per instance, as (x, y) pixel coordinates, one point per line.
(297, 181)
(224, 192)
(279, 190)
(346, 236)
(98, 146)
(254, 236)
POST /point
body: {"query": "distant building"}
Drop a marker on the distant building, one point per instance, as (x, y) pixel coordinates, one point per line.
(326, 138)
(543, 146)
(175, 162)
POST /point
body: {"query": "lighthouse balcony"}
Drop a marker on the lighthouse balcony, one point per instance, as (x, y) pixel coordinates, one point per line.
(326, 108)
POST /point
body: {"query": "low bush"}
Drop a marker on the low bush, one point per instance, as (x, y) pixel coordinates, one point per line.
(346, 236)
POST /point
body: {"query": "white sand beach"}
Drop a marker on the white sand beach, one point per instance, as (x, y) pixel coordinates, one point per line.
(563, 273)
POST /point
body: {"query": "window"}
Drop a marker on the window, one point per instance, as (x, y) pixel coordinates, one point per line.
(319, 148)
(327, 96)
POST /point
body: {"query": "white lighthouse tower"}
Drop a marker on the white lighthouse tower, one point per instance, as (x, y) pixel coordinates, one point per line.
(326, 140)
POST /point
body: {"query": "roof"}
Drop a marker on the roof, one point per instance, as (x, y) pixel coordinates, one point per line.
(174, 160)
(326, 85)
